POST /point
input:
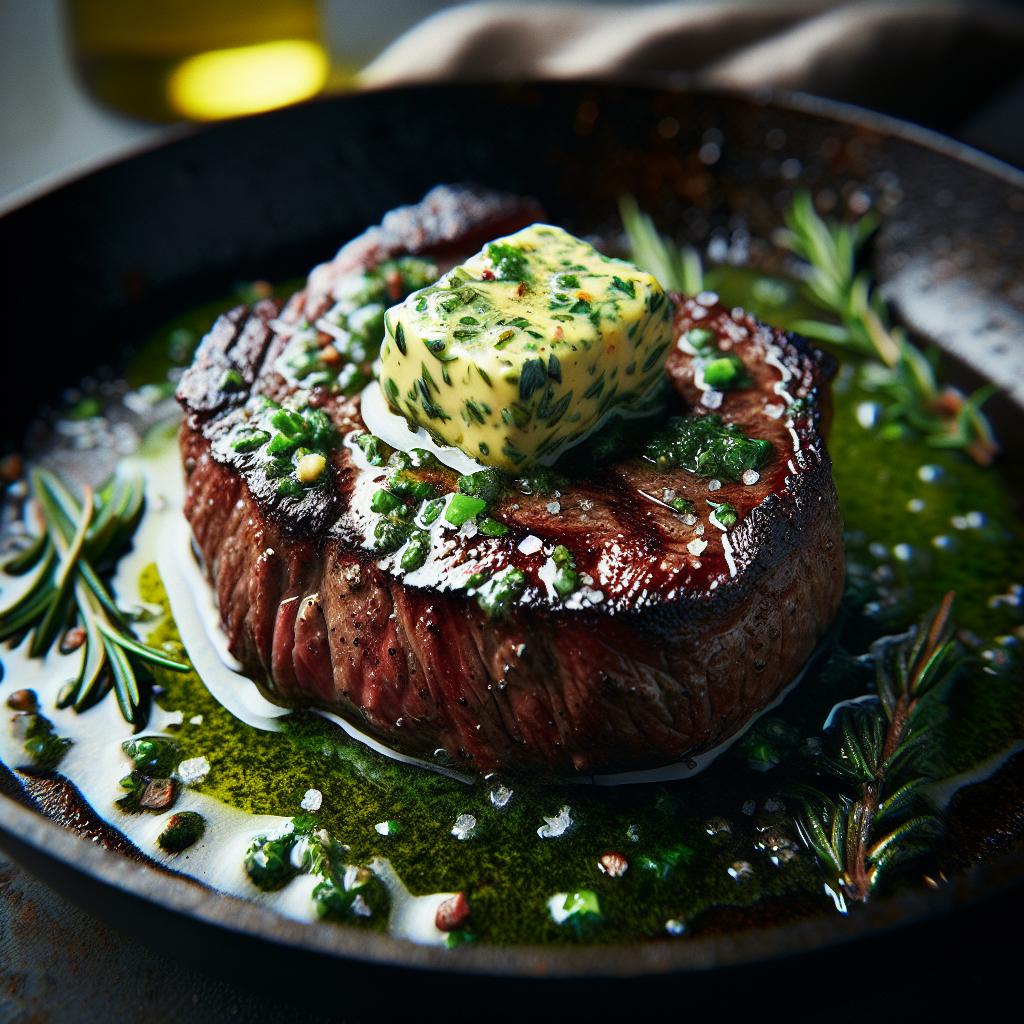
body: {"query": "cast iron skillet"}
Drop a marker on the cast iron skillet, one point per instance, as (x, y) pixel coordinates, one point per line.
(95, 264)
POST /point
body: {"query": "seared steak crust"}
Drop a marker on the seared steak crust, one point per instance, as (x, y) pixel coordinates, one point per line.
(683, 632)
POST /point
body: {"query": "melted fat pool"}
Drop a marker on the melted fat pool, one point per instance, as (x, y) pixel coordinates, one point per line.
(919, 521)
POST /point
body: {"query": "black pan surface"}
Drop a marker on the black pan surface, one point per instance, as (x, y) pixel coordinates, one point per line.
(95, 264)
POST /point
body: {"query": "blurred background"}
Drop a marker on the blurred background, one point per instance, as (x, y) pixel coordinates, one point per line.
(84, 80)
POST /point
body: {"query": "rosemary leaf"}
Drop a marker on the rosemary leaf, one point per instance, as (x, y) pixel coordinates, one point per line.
(62, 510)
(905, 375)
(874, 821)
(900, 798)
(126, 687)
(39, 582)
(882, 848)
(28, 558)
(78, 538)
(93, 664)
(129, 643)
(56, 614)
(677, 268)
(834, 334)
(24, 614)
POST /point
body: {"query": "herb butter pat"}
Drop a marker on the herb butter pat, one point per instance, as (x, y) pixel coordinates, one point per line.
(525, 348)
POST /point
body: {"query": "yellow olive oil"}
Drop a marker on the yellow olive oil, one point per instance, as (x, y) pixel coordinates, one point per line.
(199, 60)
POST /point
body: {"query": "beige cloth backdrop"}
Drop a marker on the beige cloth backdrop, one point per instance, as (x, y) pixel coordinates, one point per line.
(940, 65)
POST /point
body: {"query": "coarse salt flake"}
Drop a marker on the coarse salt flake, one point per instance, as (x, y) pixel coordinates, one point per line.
(557, 825)
(714, 485)
(554, 507)
(530, 544)
(464, 827)
(312, 800)
(193, 770)
(750, 477)
(500, 796)
(697, 547)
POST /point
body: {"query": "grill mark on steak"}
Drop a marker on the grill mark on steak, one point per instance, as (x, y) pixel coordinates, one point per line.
(675, 657)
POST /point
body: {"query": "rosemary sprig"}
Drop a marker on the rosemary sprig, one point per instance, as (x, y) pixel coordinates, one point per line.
(80, 543)
(875, 819)
(677, 267)
(905, 375)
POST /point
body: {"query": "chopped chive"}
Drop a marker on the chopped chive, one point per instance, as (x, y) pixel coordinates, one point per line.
(725, 372)
(492, 528)
(282, 444)
(462, 508)
(702, 339)
(723, 513)
(232, 380)
(416, 551)
(384, 501)
(431, 510)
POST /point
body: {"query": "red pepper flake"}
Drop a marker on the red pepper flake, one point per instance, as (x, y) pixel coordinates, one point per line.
(613, 864)
(10, 468)
(72, 640)
(453, 913)
(487, 275)
(521, 290)
(393, 283)
(23, 700)
(158, 795)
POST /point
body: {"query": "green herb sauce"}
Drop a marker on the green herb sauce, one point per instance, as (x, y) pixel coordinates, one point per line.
(919, 521)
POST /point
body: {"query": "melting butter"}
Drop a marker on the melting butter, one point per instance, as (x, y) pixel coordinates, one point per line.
(520, 352)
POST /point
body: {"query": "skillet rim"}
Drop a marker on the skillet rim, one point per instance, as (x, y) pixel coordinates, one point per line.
(24, 830)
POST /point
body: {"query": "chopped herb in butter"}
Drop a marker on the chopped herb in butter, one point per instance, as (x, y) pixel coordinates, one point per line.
(708, 446)
(525, 348)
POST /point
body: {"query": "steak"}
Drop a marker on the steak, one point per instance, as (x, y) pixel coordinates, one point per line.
(682, 631)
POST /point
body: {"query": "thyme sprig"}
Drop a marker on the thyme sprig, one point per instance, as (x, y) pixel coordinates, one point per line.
(900, 373)
(78, 545)
(677, 267)
(906, 376)
(875, 818)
